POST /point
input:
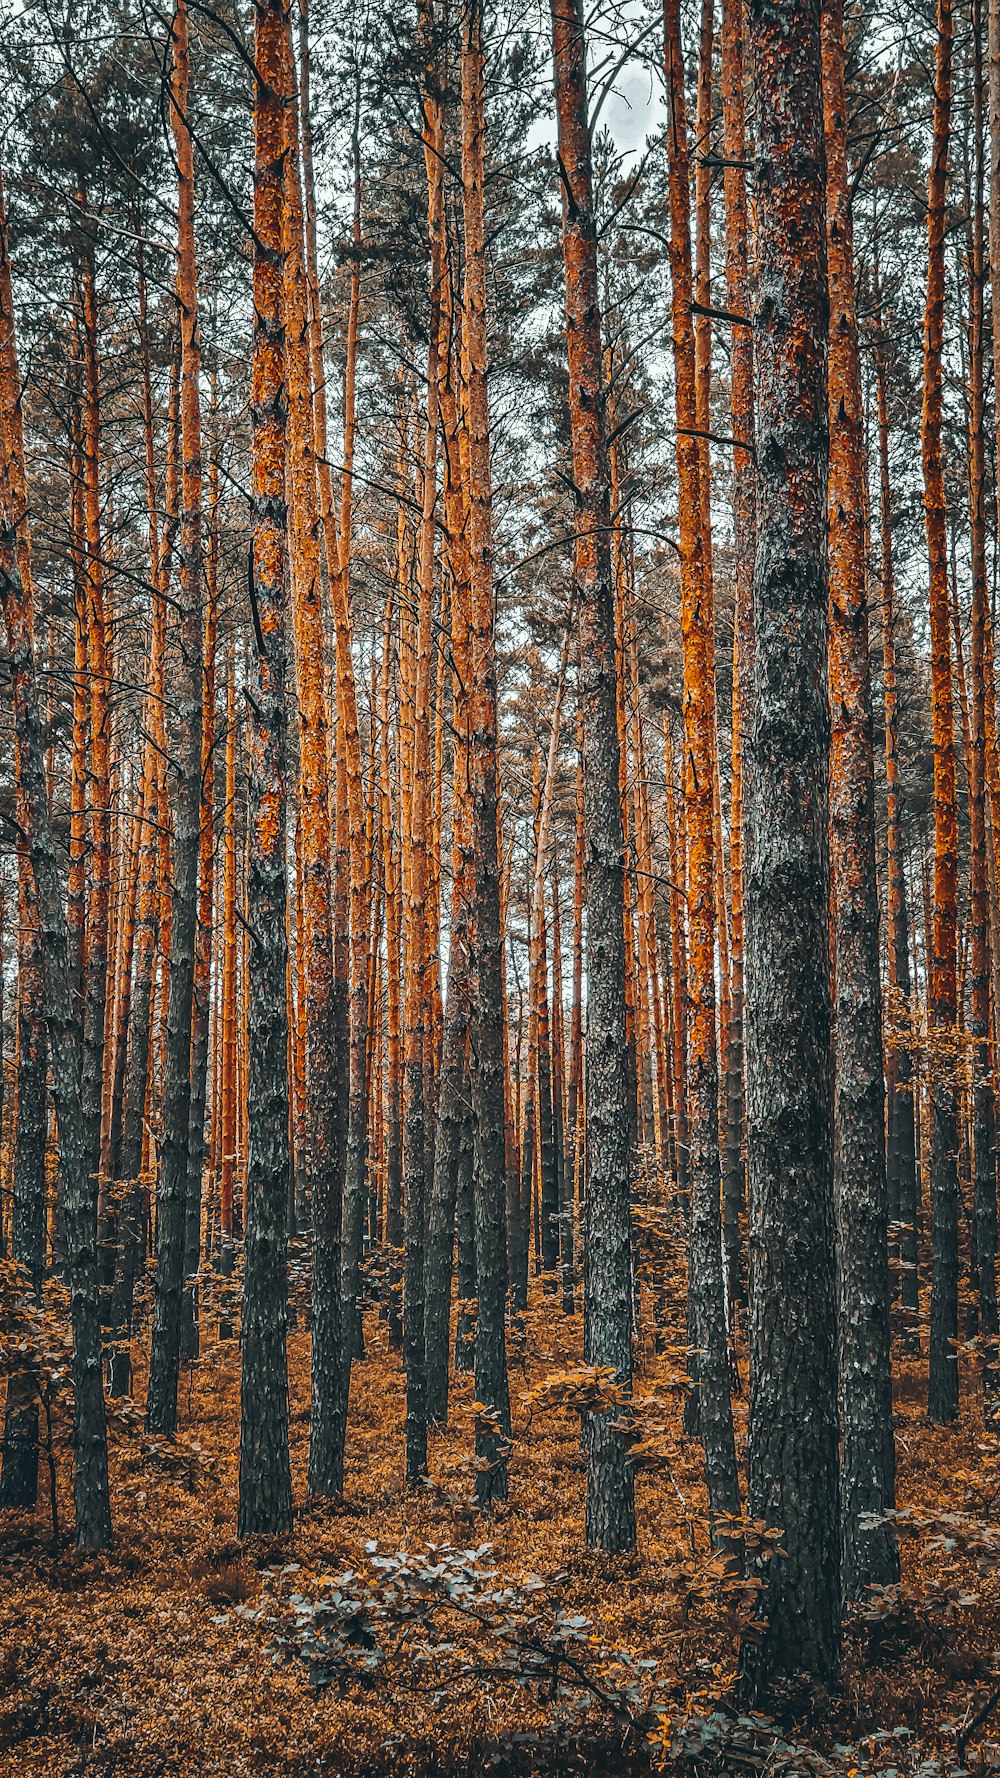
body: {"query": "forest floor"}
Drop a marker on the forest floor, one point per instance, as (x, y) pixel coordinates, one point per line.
(166, 1656)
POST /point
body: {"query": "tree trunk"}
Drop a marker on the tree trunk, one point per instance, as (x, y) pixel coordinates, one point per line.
(265, 1504)
(608, 1273)
(903, 1180)
(323, 1138)
(486, 923)
(185, 764)
(706, 1292)
(983, 1109)
(942, 1397)
(741, 398)
(793, 1429)
(79, 1200)
(868, 1458)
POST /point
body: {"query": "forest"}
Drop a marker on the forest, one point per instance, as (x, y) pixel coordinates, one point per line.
(499, 888)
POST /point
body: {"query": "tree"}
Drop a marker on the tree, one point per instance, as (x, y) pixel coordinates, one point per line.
(265, 1474)
(868, 1464)
(486, 927)
(186, 765)
(79, 1200)
(793, 1430)
(942, 1396)
(706, 1291)
(608, 1275)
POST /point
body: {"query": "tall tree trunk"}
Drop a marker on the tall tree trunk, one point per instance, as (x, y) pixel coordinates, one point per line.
(19, 1475)
(942, 1398)
(202, 989)
(868, 1458)
(706, 1292)
(564, 1174)
(486, 922)
(419, 960)
(95, 940)
(608, 1273)
(79, 1198)
(150, 843)
(265, 1504)
(793, 1429)
(228, 1069)
(902, 1172)
(741, 398)
(452, 1119)
(323, 1139)
(678, 965)
(983, 1109)
(393, 915)
(352, 801)
(185, 766)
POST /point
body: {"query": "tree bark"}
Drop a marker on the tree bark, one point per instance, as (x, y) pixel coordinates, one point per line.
(265, 1503)
(793, 1428)
(706, 1290)
(868, 1458)
(608, 1268)
(942, 1397)
(79, 1200)
(186, 758)
(486, 923)
(983, 1108)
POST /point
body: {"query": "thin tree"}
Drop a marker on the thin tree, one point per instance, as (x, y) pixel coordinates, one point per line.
(485, 936)
(741, 399)
(323, 1139)
(706, 1294)
(19, 1476)
(980, 665)
(187, 689)
(608, 1277)
(942, 1395)
(902, 1172)
(868, 1459)
(265, 1476)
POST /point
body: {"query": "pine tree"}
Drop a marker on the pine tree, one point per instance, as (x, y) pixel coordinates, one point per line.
(793, 1429)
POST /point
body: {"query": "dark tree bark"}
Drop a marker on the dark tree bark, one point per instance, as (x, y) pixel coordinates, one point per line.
(608, 1262)
(185, 768)
(868, 1455)
(980, 667)
(452, 1088)
(96, 704)
(942, 1392)
(19, 1473)
(793, 1428)
(265, 1473)
(77, 1186)
(903, 1180)
(465, 1232)
(485, 924)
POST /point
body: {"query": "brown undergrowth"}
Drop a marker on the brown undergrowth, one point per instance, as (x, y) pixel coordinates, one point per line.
(184, 1653)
